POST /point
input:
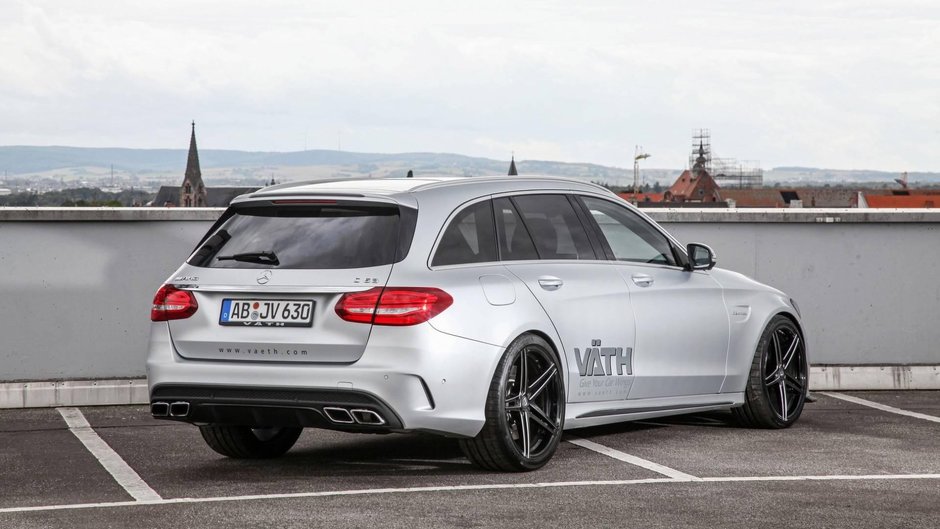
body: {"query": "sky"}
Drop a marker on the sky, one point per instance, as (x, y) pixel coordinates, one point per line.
(832, 84)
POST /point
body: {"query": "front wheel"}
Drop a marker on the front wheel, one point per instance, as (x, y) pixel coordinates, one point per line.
(525, 409)
(245, 442)
(778, 380)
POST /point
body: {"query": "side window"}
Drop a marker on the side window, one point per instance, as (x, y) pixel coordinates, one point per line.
(630, 237)
(469, 238)
(554, 227)
(514, 241)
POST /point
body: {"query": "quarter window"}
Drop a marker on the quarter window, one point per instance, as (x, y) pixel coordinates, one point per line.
(554, 227)
(629, 236)
(469, 238)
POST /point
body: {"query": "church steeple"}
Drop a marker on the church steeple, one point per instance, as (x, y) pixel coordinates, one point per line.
(512, 166)
(699, 166)
(193, 191)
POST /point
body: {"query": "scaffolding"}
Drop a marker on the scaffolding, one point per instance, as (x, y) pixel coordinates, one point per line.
(728, 172)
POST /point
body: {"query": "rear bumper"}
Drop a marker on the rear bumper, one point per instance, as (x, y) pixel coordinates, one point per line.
(346, 410)
(416, 378)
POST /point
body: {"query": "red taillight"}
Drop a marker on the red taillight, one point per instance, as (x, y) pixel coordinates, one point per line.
(393, 305)
(171, 303)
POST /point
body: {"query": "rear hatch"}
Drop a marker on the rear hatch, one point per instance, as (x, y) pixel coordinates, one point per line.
(267, 276)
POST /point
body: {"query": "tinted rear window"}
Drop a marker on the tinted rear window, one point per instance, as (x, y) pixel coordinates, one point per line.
(514, 241)
(554, 226)
(307, 237)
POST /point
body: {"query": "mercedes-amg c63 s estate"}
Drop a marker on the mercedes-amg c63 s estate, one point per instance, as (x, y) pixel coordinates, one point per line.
(497, 310)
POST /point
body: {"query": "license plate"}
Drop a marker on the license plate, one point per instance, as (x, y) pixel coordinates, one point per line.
(266, 313)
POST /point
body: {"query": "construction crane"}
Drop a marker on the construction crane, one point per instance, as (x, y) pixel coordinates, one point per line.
(639, 155)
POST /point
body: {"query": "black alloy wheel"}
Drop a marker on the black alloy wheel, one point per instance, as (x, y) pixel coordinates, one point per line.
(524, 410)
(778, 381)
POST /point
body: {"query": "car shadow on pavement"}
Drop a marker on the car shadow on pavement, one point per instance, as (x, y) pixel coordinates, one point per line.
(716, 419)
(375, 455)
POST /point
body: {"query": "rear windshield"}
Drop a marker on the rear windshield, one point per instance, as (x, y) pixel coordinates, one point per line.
(307, 237)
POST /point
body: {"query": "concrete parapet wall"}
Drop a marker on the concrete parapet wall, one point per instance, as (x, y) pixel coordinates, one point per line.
(76, 284)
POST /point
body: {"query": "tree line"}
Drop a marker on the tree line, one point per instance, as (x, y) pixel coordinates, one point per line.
(78, 197)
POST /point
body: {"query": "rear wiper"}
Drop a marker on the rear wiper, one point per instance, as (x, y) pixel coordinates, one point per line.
(252, 257)
(215, 243)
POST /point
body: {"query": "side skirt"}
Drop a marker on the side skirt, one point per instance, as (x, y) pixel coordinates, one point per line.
(586, 414)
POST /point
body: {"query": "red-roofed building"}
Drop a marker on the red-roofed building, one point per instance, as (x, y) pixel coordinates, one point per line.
(867, 200)
(694, 185)
(642, 197)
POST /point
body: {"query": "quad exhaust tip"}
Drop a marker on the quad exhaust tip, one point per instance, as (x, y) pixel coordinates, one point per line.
(367, 417)
(179, 409)
(339, 415)
(169, 409)
(357, 416)
(159, 409)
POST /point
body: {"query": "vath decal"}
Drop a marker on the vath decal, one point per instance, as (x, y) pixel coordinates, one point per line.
(601, 361)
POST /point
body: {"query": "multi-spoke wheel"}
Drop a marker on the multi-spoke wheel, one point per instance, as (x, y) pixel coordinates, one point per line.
(777, 384)
(525, 410)
(244, 442)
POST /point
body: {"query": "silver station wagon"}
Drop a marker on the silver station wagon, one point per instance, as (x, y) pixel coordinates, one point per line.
(496, 310)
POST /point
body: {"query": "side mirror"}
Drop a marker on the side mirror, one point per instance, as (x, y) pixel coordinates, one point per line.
(701, 257)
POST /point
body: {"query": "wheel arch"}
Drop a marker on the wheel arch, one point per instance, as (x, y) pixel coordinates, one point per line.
(562, 363)
(744, 340)
(795, 319)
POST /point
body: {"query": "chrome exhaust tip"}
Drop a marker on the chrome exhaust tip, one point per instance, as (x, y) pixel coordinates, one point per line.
(159, 409)
(367, 417)
(179, 409)
(338, 415)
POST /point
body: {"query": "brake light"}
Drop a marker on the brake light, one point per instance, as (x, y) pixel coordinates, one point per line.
(171, 303)
(393, 305)
(303, 201)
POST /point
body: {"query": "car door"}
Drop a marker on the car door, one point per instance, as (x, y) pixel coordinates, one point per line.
(682, 327)
(543, 241)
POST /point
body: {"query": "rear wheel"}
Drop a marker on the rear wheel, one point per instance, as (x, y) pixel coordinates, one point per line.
(525, 408)
(777, 383)
(245, 442)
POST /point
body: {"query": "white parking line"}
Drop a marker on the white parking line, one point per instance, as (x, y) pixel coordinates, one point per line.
(882, 407)
(109, 459)
(458, 488)
(633, 460)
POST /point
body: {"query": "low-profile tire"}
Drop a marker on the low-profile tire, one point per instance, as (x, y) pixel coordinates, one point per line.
(777, 382)
(245, 442)
(525, 410)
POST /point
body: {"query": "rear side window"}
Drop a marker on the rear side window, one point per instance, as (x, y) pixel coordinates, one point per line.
(469, 238)
(307, 237)
(554, 227)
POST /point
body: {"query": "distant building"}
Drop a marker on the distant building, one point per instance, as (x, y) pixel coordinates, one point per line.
(694, 185)
(512, 167)
(924, 200)
(193, 193)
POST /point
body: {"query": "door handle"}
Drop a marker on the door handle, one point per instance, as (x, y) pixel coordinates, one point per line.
(550, 282)
(642, 280)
